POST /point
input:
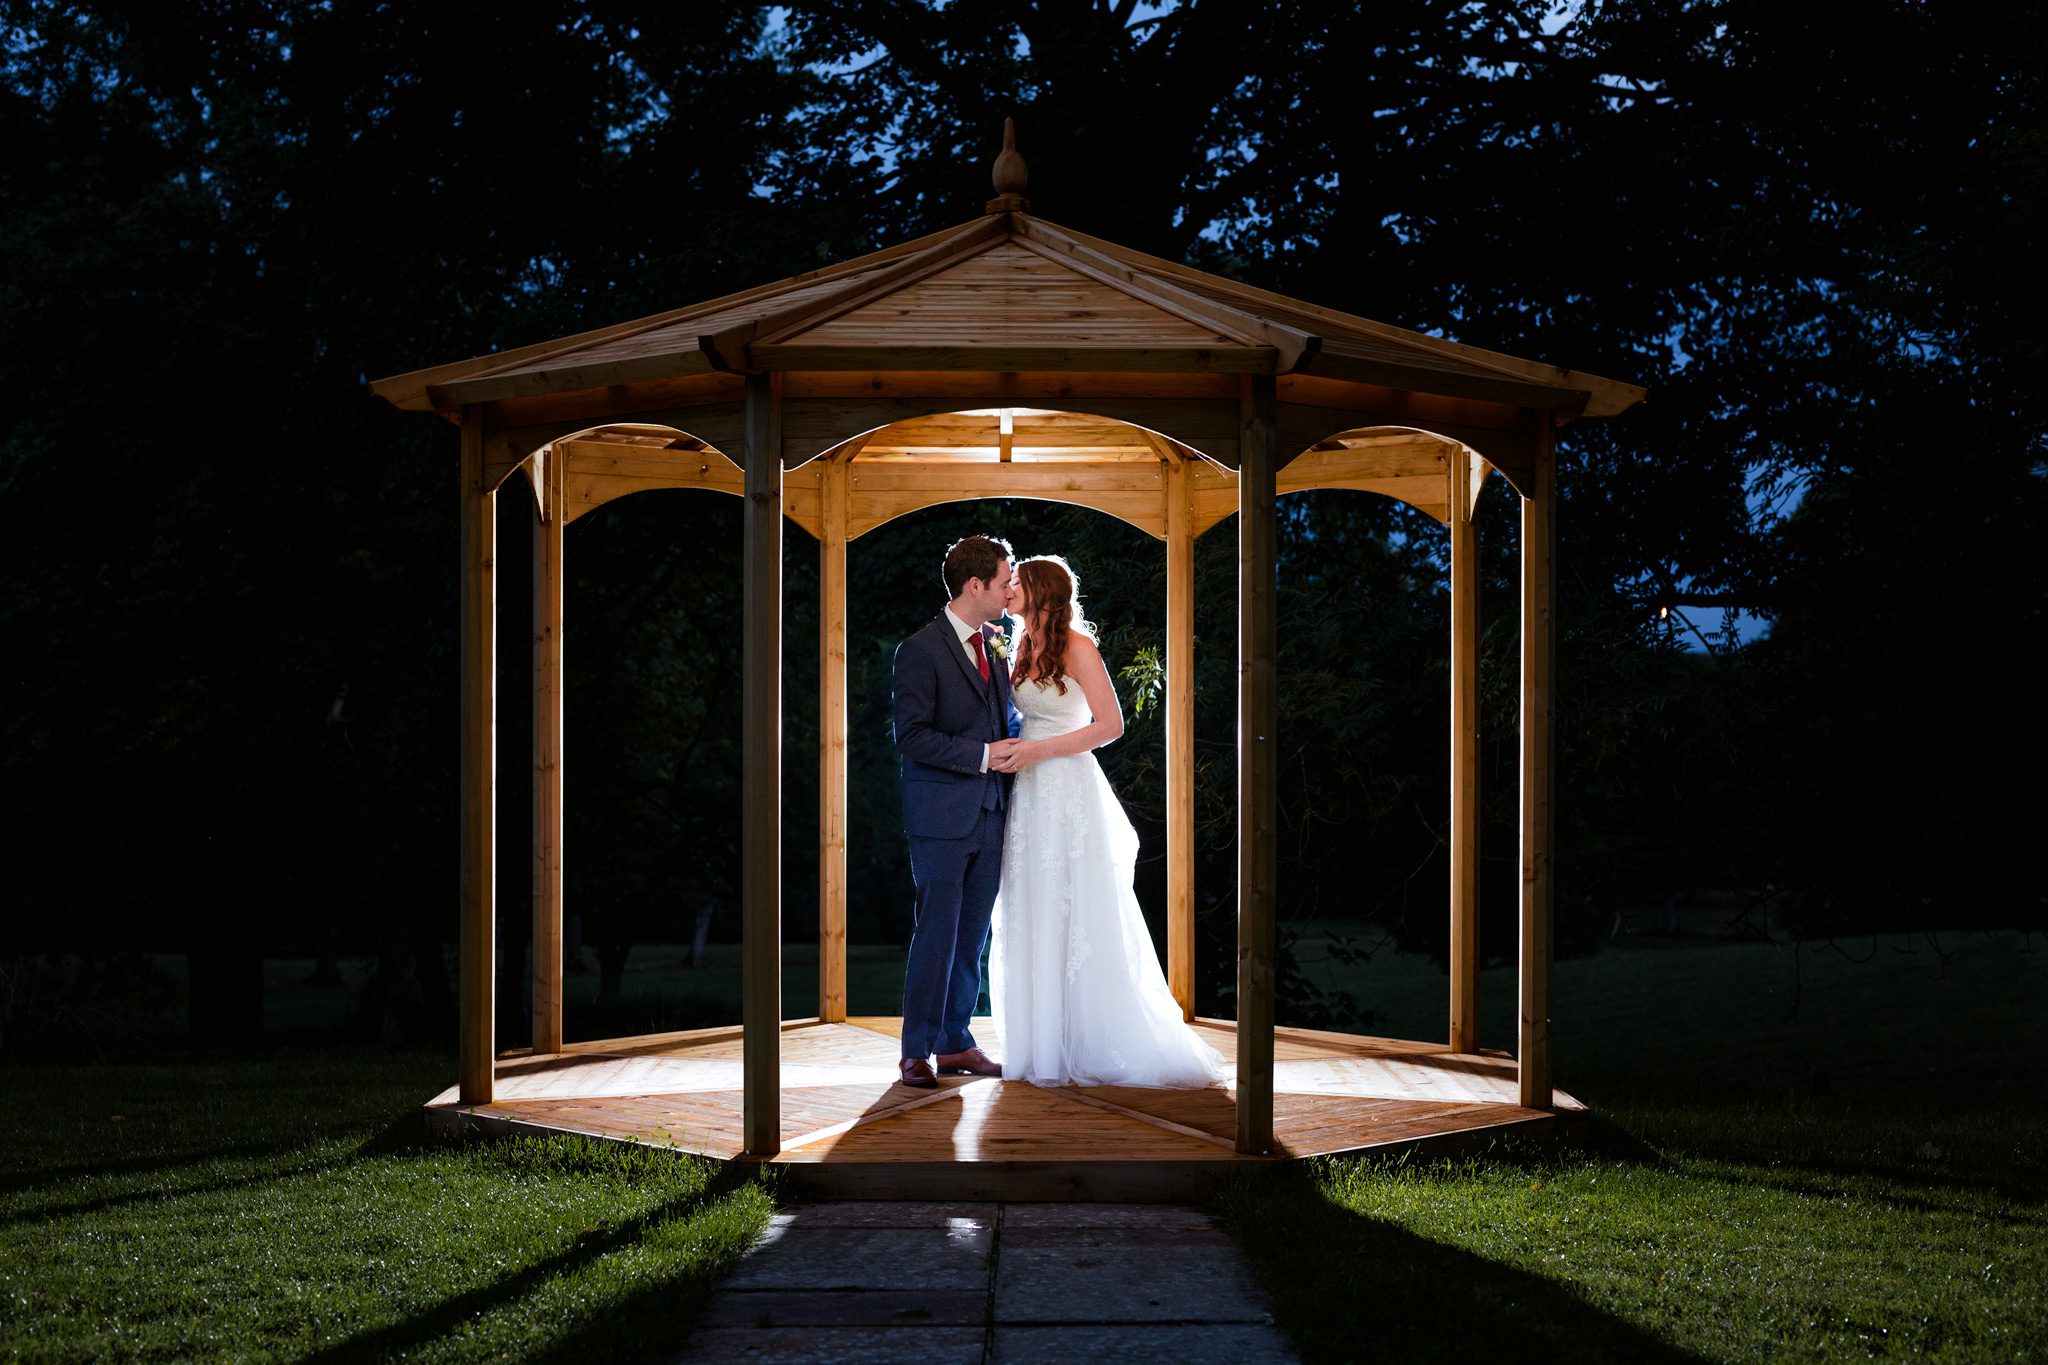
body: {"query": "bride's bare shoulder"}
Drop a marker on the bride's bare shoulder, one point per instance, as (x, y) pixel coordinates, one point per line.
(1081, 650)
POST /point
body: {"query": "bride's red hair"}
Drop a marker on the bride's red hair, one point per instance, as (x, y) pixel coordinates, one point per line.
(1052, 615)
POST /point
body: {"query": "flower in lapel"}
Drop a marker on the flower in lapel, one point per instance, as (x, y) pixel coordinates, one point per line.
(998, 643)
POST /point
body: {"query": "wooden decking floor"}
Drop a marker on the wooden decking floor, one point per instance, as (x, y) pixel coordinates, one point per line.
(849, 1128)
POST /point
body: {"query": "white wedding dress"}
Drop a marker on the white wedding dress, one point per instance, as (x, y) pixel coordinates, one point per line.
(1074, 981)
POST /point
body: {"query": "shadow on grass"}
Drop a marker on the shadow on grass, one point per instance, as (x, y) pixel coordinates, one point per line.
(179, 1112)
(403, 1135)
(60, 1176)
(46, 1212)
(1348, 1286)
(655, 1320)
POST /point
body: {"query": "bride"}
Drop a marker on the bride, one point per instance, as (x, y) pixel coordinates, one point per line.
(1074, 981)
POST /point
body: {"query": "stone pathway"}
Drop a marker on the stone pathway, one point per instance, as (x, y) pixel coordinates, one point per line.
(991, 1282)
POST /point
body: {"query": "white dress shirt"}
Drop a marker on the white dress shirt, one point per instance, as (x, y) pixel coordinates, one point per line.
(966, 633)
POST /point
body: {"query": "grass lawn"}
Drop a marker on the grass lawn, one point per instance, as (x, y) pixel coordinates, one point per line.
(1775, 1230)
(1807, 1155)
(291, 1208)
(1864, 1176)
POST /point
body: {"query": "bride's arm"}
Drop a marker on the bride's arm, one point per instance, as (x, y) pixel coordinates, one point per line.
(1085, 666)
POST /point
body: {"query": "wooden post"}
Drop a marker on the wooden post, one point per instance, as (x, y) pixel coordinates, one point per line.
(1464, 848)
(761, 778)
(547, 751)
(1257, 764)
(1539, 542)
(478, 780)
(1180, 739)
(832, 489)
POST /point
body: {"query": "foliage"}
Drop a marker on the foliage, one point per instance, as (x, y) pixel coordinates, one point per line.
(65, 1007)
(226, 565)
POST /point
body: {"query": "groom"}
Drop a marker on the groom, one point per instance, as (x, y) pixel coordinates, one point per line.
(954, 724)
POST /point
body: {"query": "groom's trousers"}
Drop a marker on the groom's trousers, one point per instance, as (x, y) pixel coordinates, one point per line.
(956, 881)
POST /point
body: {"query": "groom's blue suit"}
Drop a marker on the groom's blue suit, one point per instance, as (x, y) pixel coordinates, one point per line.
(953, 813)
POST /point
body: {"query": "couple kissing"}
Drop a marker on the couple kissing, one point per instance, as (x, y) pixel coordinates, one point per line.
(1016, 836)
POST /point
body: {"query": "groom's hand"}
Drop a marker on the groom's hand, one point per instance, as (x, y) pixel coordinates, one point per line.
(1002, 755)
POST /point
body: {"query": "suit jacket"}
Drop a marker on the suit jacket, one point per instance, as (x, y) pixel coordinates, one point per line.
(944, 713)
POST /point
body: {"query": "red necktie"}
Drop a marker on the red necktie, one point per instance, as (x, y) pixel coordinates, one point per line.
(980, 656)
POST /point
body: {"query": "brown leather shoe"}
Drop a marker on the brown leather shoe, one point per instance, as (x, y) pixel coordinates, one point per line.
(973, 1062)
(918, 1072)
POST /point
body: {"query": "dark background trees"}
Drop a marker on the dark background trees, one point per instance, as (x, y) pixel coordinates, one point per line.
(228, 586)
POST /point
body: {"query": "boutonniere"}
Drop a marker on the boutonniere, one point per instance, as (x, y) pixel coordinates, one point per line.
(999, 643)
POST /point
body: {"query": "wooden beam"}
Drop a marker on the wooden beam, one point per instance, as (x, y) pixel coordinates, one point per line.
(547, 755)
(1373, 365)
(1356, 404)
(976, 433)
(1180, 739)
(1165, 447)
(761, 776)
(478, 780)
(596, 472)
(1294, 346)
(713, 418)
(1539, 634)
(816, 424)
(1464, 844)
(409, 390)
(962, 389)
(1420, 457)
(1610, 396)
(732, 347)
(802, 490)
(1212, 492)
(1192, 358)
(886, 489)
(883, 479)
(832, 741)
(570, 376)
(497, 468)
(688, 464)
(1424, 495)
(967, 242)
(1257, 763)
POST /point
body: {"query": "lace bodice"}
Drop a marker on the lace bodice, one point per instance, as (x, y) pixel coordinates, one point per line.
(1046, 713)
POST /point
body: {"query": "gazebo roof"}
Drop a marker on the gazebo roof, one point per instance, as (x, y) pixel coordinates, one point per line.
(1008, 291)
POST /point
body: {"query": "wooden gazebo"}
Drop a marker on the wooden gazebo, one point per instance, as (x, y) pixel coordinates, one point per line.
(1006, 357)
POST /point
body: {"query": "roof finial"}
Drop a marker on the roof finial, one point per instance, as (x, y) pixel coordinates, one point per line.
(1010, 176)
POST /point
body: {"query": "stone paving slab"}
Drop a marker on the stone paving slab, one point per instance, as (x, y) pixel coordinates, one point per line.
(1126, 1284)
(1103, 1216)
(912, 1282)
(803, 1257)
(848, 1308)
(1109, 1238)
(839, 1345)
(1146, 1344)
(882, 1213)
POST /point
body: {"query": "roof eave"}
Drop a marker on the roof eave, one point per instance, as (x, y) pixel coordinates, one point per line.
(410, 390)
